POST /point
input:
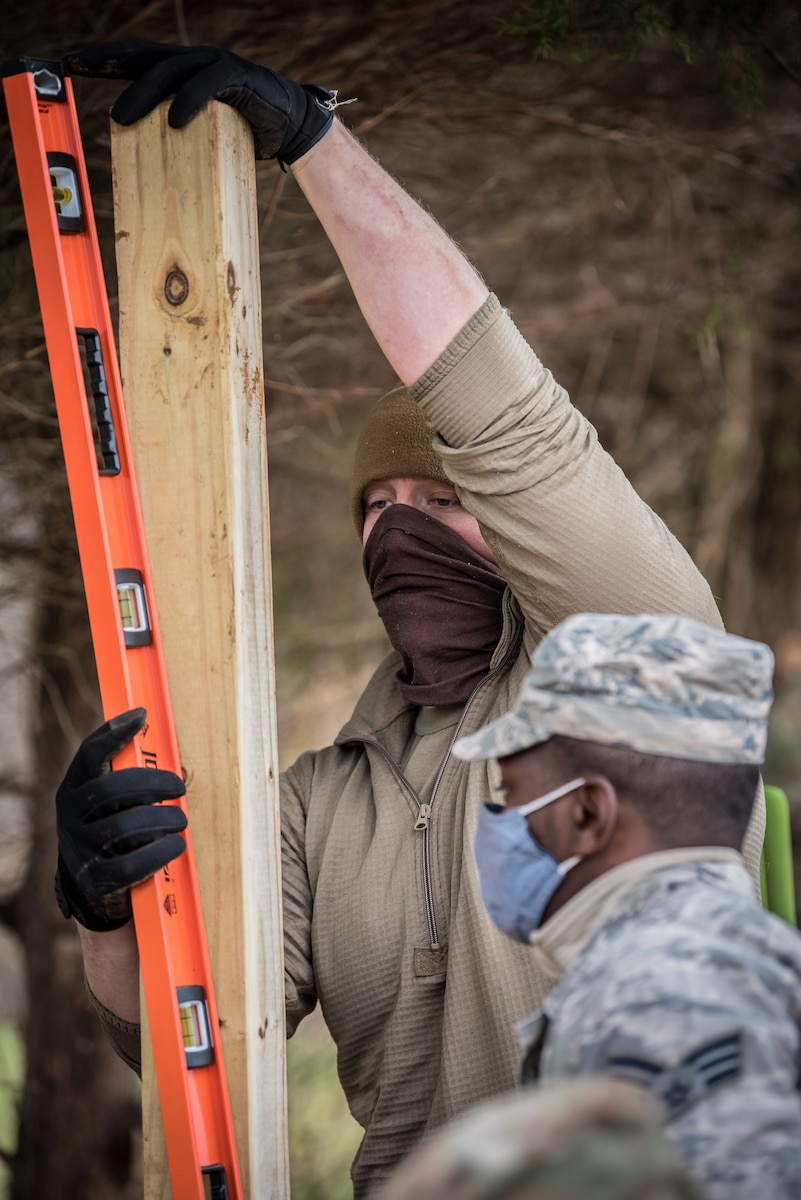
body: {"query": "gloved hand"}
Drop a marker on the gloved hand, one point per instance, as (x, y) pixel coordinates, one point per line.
(287, 118)
(112, 833)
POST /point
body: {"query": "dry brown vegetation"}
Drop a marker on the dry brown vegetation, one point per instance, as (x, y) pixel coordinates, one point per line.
(644, 228)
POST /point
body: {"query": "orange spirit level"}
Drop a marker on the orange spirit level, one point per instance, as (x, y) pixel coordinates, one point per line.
(176, 975)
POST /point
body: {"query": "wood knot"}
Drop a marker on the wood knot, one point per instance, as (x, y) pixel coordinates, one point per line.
(176, 287)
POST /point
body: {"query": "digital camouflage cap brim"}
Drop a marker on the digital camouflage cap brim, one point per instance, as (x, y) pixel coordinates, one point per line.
(658, 684)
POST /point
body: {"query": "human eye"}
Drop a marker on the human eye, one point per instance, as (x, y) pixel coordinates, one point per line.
(451, 500)
(377, 503)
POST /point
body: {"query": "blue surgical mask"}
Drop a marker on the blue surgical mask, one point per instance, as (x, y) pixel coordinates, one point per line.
(518, 877)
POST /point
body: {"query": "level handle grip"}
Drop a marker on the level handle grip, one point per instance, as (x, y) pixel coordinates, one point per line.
(106, 437)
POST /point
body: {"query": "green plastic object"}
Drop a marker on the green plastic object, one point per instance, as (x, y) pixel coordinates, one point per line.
(776, 867)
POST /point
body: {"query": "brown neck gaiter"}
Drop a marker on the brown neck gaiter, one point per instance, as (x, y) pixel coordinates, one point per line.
(439, 600)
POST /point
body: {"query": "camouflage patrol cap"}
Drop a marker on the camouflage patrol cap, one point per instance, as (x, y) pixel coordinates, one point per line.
(567, 1140)
(658, 684)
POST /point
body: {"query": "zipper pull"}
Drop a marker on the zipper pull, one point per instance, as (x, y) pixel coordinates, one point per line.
(423, 817)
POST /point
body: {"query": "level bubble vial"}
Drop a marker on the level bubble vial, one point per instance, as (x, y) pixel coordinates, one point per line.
(136, 629)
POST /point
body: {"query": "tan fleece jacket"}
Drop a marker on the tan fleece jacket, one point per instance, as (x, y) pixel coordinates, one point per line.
(384, 922)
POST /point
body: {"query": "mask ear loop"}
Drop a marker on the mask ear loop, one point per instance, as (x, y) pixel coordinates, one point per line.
(568, 864)
(549, 797)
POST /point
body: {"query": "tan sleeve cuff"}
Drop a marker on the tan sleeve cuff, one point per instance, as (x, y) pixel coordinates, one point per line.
(125, 1036)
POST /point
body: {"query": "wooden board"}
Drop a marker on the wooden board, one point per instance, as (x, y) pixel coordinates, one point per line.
(190, 350)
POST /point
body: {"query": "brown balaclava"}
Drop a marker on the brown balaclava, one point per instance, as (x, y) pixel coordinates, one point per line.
(439, 600)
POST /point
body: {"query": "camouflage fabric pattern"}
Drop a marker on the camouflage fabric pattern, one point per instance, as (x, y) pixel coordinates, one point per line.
(594, 1138)
(691, 990)
(658, 684)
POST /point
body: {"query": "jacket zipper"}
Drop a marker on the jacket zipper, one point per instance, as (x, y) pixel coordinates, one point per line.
(423, 820)
(424, 811)
(423, 824)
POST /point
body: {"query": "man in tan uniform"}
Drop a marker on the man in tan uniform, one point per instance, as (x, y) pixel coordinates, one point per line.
(489, 512)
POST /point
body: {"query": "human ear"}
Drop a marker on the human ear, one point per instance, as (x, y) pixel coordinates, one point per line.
(595, 815)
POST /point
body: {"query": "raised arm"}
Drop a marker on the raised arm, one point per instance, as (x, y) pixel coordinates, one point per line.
(413, 284)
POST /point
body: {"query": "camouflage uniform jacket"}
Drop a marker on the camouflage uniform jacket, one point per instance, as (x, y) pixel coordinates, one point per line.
(692, 990)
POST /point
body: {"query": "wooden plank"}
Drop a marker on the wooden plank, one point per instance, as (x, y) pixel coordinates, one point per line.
(190, 351)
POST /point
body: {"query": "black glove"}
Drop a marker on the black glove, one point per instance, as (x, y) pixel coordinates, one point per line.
(287, 118)
(112, 833)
